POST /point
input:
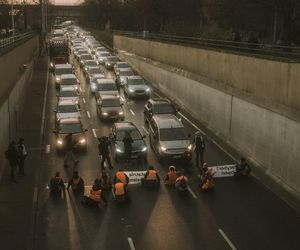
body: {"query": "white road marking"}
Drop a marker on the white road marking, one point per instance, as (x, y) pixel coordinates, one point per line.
(145, 130)
(192, 193)
(131, 111)
(227, 239)
(83, 99)
(88, 114)
(48, 147)
(94, 132)
(130, 241)
(196, 127)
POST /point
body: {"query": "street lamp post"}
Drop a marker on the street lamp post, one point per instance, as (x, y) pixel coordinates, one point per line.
(12, 18)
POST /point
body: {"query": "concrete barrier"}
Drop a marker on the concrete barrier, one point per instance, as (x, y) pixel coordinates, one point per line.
(271, 141)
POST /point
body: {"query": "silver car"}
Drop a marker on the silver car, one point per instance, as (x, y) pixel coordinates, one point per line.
(66, 109)
(106, 86)
(110, 62)
(93, 81)
(91, 72)
(68, 93)
(84, 57)
(110, 108)
(89, 63)
(62, 69)
(121, 78)
(69, 80)
(121, 65)
(100, 57)
(136, 87)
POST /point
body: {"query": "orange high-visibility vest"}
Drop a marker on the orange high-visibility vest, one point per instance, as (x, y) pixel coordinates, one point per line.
(121, 176)
(95, 195)
(119, 189)
(172, 177)
(151, 175)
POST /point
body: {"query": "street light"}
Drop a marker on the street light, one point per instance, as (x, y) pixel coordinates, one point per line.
(12, 19)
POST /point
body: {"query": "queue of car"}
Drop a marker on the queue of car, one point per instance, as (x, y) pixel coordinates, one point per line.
(167, 134)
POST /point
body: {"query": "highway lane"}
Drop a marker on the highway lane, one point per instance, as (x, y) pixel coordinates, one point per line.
(250, 216)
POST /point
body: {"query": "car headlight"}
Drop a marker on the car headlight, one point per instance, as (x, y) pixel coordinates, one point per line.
(119, 150)
(82, 141)
(51, 65)
(105, 113)
(144, 149)
(76, 87)
(93, 87)
(81, 61)
(85, 68)
(57, 79)
(108, 64)
(189, 148)
(163, 149)
(121, 113)
(90, 77)
(148, 89)
(131, 90)
(60, 142)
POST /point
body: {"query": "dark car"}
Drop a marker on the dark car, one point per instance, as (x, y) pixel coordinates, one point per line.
(157, 106)
(109, 107)
(139, 148)
(72, 126)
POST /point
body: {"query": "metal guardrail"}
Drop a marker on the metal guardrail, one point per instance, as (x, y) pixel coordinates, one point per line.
(10, 41)
(277, 51)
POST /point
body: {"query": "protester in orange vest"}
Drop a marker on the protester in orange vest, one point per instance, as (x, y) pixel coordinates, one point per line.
(95, 196)
(151, 177)
(119, 189)
(171, 176)
(120, 175)
(56, 184)
(181, 183)
(76, 182)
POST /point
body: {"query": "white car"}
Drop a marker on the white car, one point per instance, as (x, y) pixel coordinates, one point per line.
(136, 87)
(66, 109)
(106, 86)
(121, 65)
(68, 93)
(100, 57)
(91, 72)
(93, 82)
(69, 80)
(61, 69)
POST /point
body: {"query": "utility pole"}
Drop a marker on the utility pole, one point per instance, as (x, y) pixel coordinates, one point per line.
(12, 19)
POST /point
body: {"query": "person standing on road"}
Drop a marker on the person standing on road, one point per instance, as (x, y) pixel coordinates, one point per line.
(12, 155)
(103, 148)
(22, 155)
(69, 157)
(127, 140)
(199, 148)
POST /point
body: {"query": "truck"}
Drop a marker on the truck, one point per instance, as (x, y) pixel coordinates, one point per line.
(58, 52)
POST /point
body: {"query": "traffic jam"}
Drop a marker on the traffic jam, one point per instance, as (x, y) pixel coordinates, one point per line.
(141, 134)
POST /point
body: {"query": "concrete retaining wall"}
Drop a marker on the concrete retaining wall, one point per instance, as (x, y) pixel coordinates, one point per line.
(274, 84)
(270, 140)
(13, 91)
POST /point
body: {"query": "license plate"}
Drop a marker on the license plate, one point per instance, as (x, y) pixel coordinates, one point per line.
(176, 156)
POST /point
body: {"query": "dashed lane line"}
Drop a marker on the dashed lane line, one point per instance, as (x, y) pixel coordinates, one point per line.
(88, 114)
(227, 239)
(192, 193)
(94, 132)
(143, 127)
(131, 111)
(83, 99)
(130, 242)
(48, 148)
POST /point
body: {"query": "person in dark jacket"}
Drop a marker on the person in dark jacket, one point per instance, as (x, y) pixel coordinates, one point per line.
(103, 148)
(127, 140)
(56, 184)
(199, 148)
(22, 155)
(76, 182)
(12, 155)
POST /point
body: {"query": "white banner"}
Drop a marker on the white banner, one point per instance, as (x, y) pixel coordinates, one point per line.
(135, 176)
(223, 171)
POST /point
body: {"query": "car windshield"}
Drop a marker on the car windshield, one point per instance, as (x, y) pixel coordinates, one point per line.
(103, 54)
(70, 128)
(110, 103)
(126, 73)
(91, 63)
(113, 59)
(63, 71)
(136, 82)
(172, 134)
(86, 57)
(135, 134)
(95, 71)
(164, 109)
(123, 65)
(70, 81)
(68, 93)
(67, 109)
(106, 87)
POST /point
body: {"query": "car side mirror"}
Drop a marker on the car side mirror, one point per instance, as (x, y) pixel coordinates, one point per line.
(54, 131)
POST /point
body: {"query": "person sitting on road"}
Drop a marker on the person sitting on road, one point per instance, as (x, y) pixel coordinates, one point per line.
(207, 180)
(151, 178)
(203, 171)
(171, 176)
(76, 182)
(96, 195)
(56, 184)
(105, 181)
(119, 190)
(181, 183)
(243, 169)
(120, 175)
(127, 140)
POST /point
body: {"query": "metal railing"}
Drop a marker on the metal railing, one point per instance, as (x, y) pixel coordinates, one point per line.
(10, 41)
(257, 49)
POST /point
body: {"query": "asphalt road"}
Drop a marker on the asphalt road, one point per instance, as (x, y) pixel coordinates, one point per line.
(238, 214)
